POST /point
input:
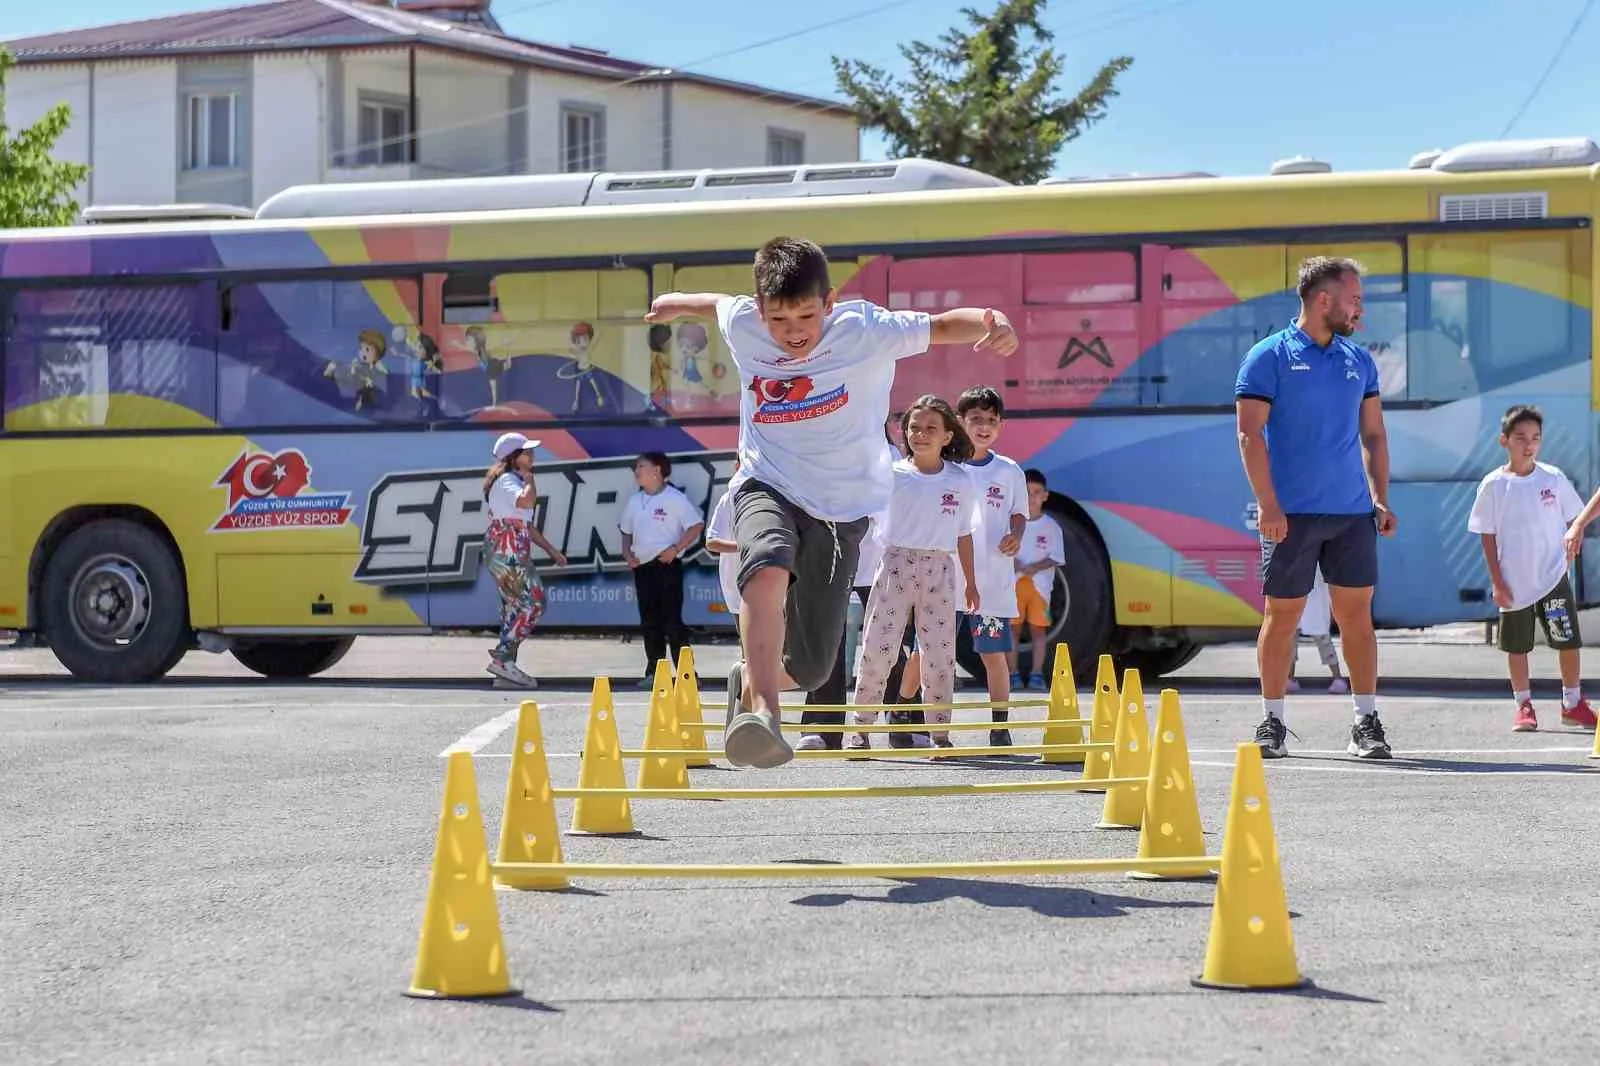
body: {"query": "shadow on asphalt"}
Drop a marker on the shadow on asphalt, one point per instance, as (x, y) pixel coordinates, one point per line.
(1445, 767)
(1048, 901)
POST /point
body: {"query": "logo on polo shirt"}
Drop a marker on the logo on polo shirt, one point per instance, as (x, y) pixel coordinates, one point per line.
(997, 496)
(790, 400)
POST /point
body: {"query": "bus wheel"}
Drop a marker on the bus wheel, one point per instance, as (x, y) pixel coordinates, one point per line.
(1158, 661)
(114, 605)
(298, 657)
(1080, 611)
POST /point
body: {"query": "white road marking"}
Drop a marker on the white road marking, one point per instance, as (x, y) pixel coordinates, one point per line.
(483, 735)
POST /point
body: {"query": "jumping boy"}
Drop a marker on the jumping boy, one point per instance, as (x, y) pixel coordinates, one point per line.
(1522, 511)
(1003, 509)
(1042, 551)
(816, 375)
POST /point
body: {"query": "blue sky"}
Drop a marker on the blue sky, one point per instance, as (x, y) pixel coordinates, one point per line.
(1222, 85)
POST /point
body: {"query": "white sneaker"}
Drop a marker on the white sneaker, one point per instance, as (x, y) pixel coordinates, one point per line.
(510, 675)
(1339, 686)
(810, 742)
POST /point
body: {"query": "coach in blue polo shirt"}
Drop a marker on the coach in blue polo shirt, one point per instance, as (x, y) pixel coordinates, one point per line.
(1312, 439)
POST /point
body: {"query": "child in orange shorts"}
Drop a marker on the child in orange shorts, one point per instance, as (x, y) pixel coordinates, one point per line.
(1036, 561)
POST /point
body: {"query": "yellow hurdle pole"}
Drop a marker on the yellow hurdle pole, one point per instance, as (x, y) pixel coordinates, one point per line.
(987, 788)
(796, 727)
(890, 753)
(890, 871)
(974, 705)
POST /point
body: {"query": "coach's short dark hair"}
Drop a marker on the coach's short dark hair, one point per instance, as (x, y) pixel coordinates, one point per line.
(791, 269)
(1320, 271)
(981, 397)
(1517, 414)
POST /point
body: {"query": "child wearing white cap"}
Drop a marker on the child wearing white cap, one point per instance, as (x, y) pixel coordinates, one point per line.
(509, 494)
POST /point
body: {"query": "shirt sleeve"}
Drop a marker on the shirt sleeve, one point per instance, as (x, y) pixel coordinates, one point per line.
(688, 514)
(1058, 551)
(899, 334)
(1371, 386)
(503, 494)
(734, 316)
(1567, 496)
(1485, 517)
(717, 527)
(1258, 375)
(626, 524)
(1019, 494)
(972, 513)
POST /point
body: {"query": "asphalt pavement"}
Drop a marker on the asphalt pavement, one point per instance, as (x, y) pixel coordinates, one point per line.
(218, 868)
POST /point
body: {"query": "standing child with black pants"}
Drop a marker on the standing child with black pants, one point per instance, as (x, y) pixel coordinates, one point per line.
(658, 525)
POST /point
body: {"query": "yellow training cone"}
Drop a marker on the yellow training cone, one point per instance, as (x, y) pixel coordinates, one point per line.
(528, 823)
(662, 735)
(1251, 944)
(1171, 826)
(1063, 706)
(461, 954)
(601, 767)
(687, 694)
(1102, 722)
(1124, 805)
(1595, 754)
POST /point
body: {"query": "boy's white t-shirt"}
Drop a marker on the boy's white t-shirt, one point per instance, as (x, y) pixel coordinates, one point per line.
(1002, 492)
(657, 522)
(1529, 516)
(930, 512)
(804, 423)
(1041, 539)
(503, 496)
(720, 527)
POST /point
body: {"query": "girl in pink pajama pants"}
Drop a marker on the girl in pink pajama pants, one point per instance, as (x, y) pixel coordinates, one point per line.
(928, 535)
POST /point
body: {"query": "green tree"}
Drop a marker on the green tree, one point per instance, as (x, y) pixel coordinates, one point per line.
(35, 189)
(984, 98)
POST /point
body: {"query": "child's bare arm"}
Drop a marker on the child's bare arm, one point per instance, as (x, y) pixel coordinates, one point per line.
(670, 306)
(1497, 580)
(720, 546)
(985, 328)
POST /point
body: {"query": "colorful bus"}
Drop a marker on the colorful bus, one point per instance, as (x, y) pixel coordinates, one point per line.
(267, 435)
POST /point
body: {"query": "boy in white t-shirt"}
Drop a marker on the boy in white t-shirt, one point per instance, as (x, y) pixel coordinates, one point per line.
(1003, 506)
(1043, 549)
(1522, 512)
(658, 525)
(815, 378)
(719, 542)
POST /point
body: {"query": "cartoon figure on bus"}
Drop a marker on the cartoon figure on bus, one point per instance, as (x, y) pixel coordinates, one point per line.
(660, 340)
(692, 344)
(427, 369)
(474, 343)
(361, 374)
(581, 369)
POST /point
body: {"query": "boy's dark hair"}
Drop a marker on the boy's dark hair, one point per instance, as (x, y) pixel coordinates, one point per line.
(960, 449)
(1319, 271)
(981, 397)
(791, 269)
(1034, 476)
(661, 462)
(1519, 413)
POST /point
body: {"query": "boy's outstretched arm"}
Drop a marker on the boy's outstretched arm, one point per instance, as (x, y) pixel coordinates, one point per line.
(674, 305)
(984, 327)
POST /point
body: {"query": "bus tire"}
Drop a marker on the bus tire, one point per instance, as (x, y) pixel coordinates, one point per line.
(114, 605)
(1158, 661)
(291, 657)
(1081, 613)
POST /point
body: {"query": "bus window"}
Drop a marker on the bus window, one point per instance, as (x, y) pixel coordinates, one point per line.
(111, 357)
(319, 351)
(1494, 309)
(542, 345)
(1215, 304)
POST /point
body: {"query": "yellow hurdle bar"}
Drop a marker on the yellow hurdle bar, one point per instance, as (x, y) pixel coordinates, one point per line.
(946, 727)
(851, 791)
(980, 705)
(880, 753)
(891, 871)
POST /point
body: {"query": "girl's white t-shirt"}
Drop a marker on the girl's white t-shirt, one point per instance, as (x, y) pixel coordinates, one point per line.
(802, 421)
(657, 522)
(1041, 539)
(1002, 492)
(930, 512)
(873, 544)
(1528, 515)
(503, 496)
(720, 527)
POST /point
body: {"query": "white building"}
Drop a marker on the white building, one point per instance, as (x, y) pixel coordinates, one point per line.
(232, 106)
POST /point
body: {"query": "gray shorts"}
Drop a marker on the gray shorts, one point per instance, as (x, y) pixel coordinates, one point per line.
(820, 558)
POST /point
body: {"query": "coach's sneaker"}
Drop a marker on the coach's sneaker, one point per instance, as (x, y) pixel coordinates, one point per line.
(1526, 721)
(1367, 740)
(1273, 737)
(1580, 715)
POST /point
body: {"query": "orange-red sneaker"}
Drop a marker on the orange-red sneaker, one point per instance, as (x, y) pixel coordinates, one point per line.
(1581, 715)
(1526, 721)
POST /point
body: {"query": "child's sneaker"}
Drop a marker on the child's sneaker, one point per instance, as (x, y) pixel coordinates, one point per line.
(1037, 681)
(1017, 681)
(999, 738)
(1580, 715)
(1293, 685)
(1338, 686)
(1526, 721)
(811, 742)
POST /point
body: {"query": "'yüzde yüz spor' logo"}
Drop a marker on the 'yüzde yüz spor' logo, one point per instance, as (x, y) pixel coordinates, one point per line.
(426, 527)
(269, 492)
(791, 400)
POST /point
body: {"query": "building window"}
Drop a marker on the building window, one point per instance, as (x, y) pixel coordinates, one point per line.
(383, 133)
(785, 149)
(213, 137)
(583, 138)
